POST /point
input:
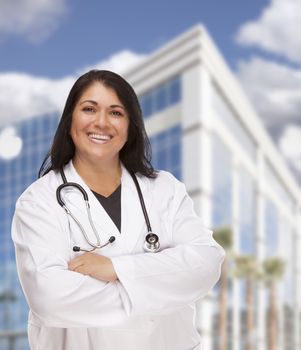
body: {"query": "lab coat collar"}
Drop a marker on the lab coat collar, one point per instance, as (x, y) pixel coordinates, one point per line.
(132, 219)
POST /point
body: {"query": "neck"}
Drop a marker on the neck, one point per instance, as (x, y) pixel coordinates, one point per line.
(103, 177)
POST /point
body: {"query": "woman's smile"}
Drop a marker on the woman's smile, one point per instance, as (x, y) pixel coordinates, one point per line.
(99, 138)
(99, 127)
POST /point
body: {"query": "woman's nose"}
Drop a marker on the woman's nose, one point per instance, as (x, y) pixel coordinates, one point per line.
(101, 119)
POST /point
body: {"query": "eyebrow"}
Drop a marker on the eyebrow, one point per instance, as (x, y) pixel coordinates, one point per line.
(95, 104)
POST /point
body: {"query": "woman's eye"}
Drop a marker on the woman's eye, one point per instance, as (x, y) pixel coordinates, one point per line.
(88, 109)
(117, 113)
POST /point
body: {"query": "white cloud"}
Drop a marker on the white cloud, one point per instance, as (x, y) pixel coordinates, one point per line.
(25, 96)
(10, 143)
(119, 63)
(274, 89)
(276, 30)
(289, 145)
(33, 19)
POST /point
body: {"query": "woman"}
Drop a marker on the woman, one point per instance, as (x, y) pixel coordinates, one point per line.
(119, 296)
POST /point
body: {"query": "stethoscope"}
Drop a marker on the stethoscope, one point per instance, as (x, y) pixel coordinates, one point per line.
(151, 243)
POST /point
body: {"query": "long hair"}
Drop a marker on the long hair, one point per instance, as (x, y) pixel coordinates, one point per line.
(135, 154)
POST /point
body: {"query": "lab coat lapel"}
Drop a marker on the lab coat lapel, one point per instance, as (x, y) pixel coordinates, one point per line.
(102, 221)
(133, 224)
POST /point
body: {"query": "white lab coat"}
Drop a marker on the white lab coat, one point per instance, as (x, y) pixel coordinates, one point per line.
(151, 306)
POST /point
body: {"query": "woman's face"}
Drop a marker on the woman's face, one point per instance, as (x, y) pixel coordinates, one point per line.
(99, 127)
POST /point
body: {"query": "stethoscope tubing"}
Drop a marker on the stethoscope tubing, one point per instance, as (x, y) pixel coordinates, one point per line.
(151, 240)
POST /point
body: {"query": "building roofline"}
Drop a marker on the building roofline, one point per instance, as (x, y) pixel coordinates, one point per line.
(193, 47)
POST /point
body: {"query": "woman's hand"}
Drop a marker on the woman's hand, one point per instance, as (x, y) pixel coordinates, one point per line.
(97, 266)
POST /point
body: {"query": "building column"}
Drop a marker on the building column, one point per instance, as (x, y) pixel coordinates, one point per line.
(260, 229)
(197, 154)
(236, 295)
(297, 289)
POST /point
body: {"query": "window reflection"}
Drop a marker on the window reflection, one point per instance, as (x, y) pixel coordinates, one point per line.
(224, 112)
(221, 183)
(166, 149)
(247, 213)
(161, 97)
(271, 222)
(15, 176)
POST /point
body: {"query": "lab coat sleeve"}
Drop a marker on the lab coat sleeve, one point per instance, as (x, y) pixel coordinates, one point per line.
(176, 276)
(56, 296)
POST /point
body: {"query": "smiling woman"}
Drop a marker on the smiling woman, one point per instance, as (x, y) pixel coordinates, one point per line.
(124, 267)
(99, 129)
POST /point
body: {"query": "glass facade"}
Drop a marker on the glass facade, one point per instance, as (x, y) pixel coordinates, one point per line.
(278, 187)
(223, 111)
(221, 183)
(271, 225)
(167, 151)
(247, 213)
(15, 177)
(161, 97)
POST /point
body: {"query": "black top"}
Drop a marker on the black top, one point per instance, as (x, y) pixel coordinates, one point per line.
(112, 205)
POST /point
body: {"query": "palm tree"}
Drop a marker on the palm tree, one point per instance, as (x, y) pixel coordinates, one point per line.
(273, 270)
(224, 236)
(246, 267)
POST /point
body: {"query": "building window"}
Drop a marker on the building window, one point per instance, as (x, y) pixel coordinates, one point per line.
(271, 228)
(278, 187)
(288, 252)
(15, 176)
(229, 118)
(247, 213)
(221, 183)
(161, 97)
(167, 151)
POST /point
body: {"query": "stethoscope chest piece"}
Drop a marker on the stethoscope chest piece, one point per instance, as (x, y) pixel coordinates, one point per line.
(151, 244)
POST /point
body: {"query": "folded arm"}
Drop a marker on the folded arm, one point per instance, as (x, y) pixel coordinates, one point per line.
(58, 296)
(175, 276)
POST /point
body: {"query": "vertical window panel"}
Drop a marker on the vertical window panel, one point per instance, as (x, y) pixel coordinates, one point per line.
(166, 149)
(161, 97)
(247, 214)
(271, 228)
(221, 182)
(225, 113)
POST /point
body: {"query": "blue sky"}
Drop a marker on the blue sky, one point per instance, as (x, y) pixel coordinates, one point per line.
(89, 31)
(46, 44)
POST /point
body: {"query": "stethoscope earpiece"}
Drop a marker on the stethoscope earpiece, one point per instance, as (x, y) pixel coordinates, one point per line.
(79, 249)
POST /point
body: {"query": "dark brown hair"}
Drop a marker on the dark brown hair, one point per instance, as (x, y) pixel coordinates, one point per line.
(135, 154)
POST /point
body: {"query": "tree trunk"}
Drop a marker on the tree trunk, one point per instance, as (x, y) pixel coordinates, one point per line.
(222, 320)
(272, 320)
(249, 315)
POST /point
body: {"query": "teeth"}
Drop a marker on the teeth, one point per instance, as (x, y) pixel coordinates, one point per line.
(100, 137)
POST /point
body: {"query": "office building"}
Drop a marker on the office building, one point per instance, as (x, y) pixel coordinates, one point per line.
(204, 130)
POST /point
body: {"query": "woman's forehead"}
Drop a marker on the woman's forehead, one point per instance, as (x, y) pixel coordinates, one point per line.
(99, 93)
